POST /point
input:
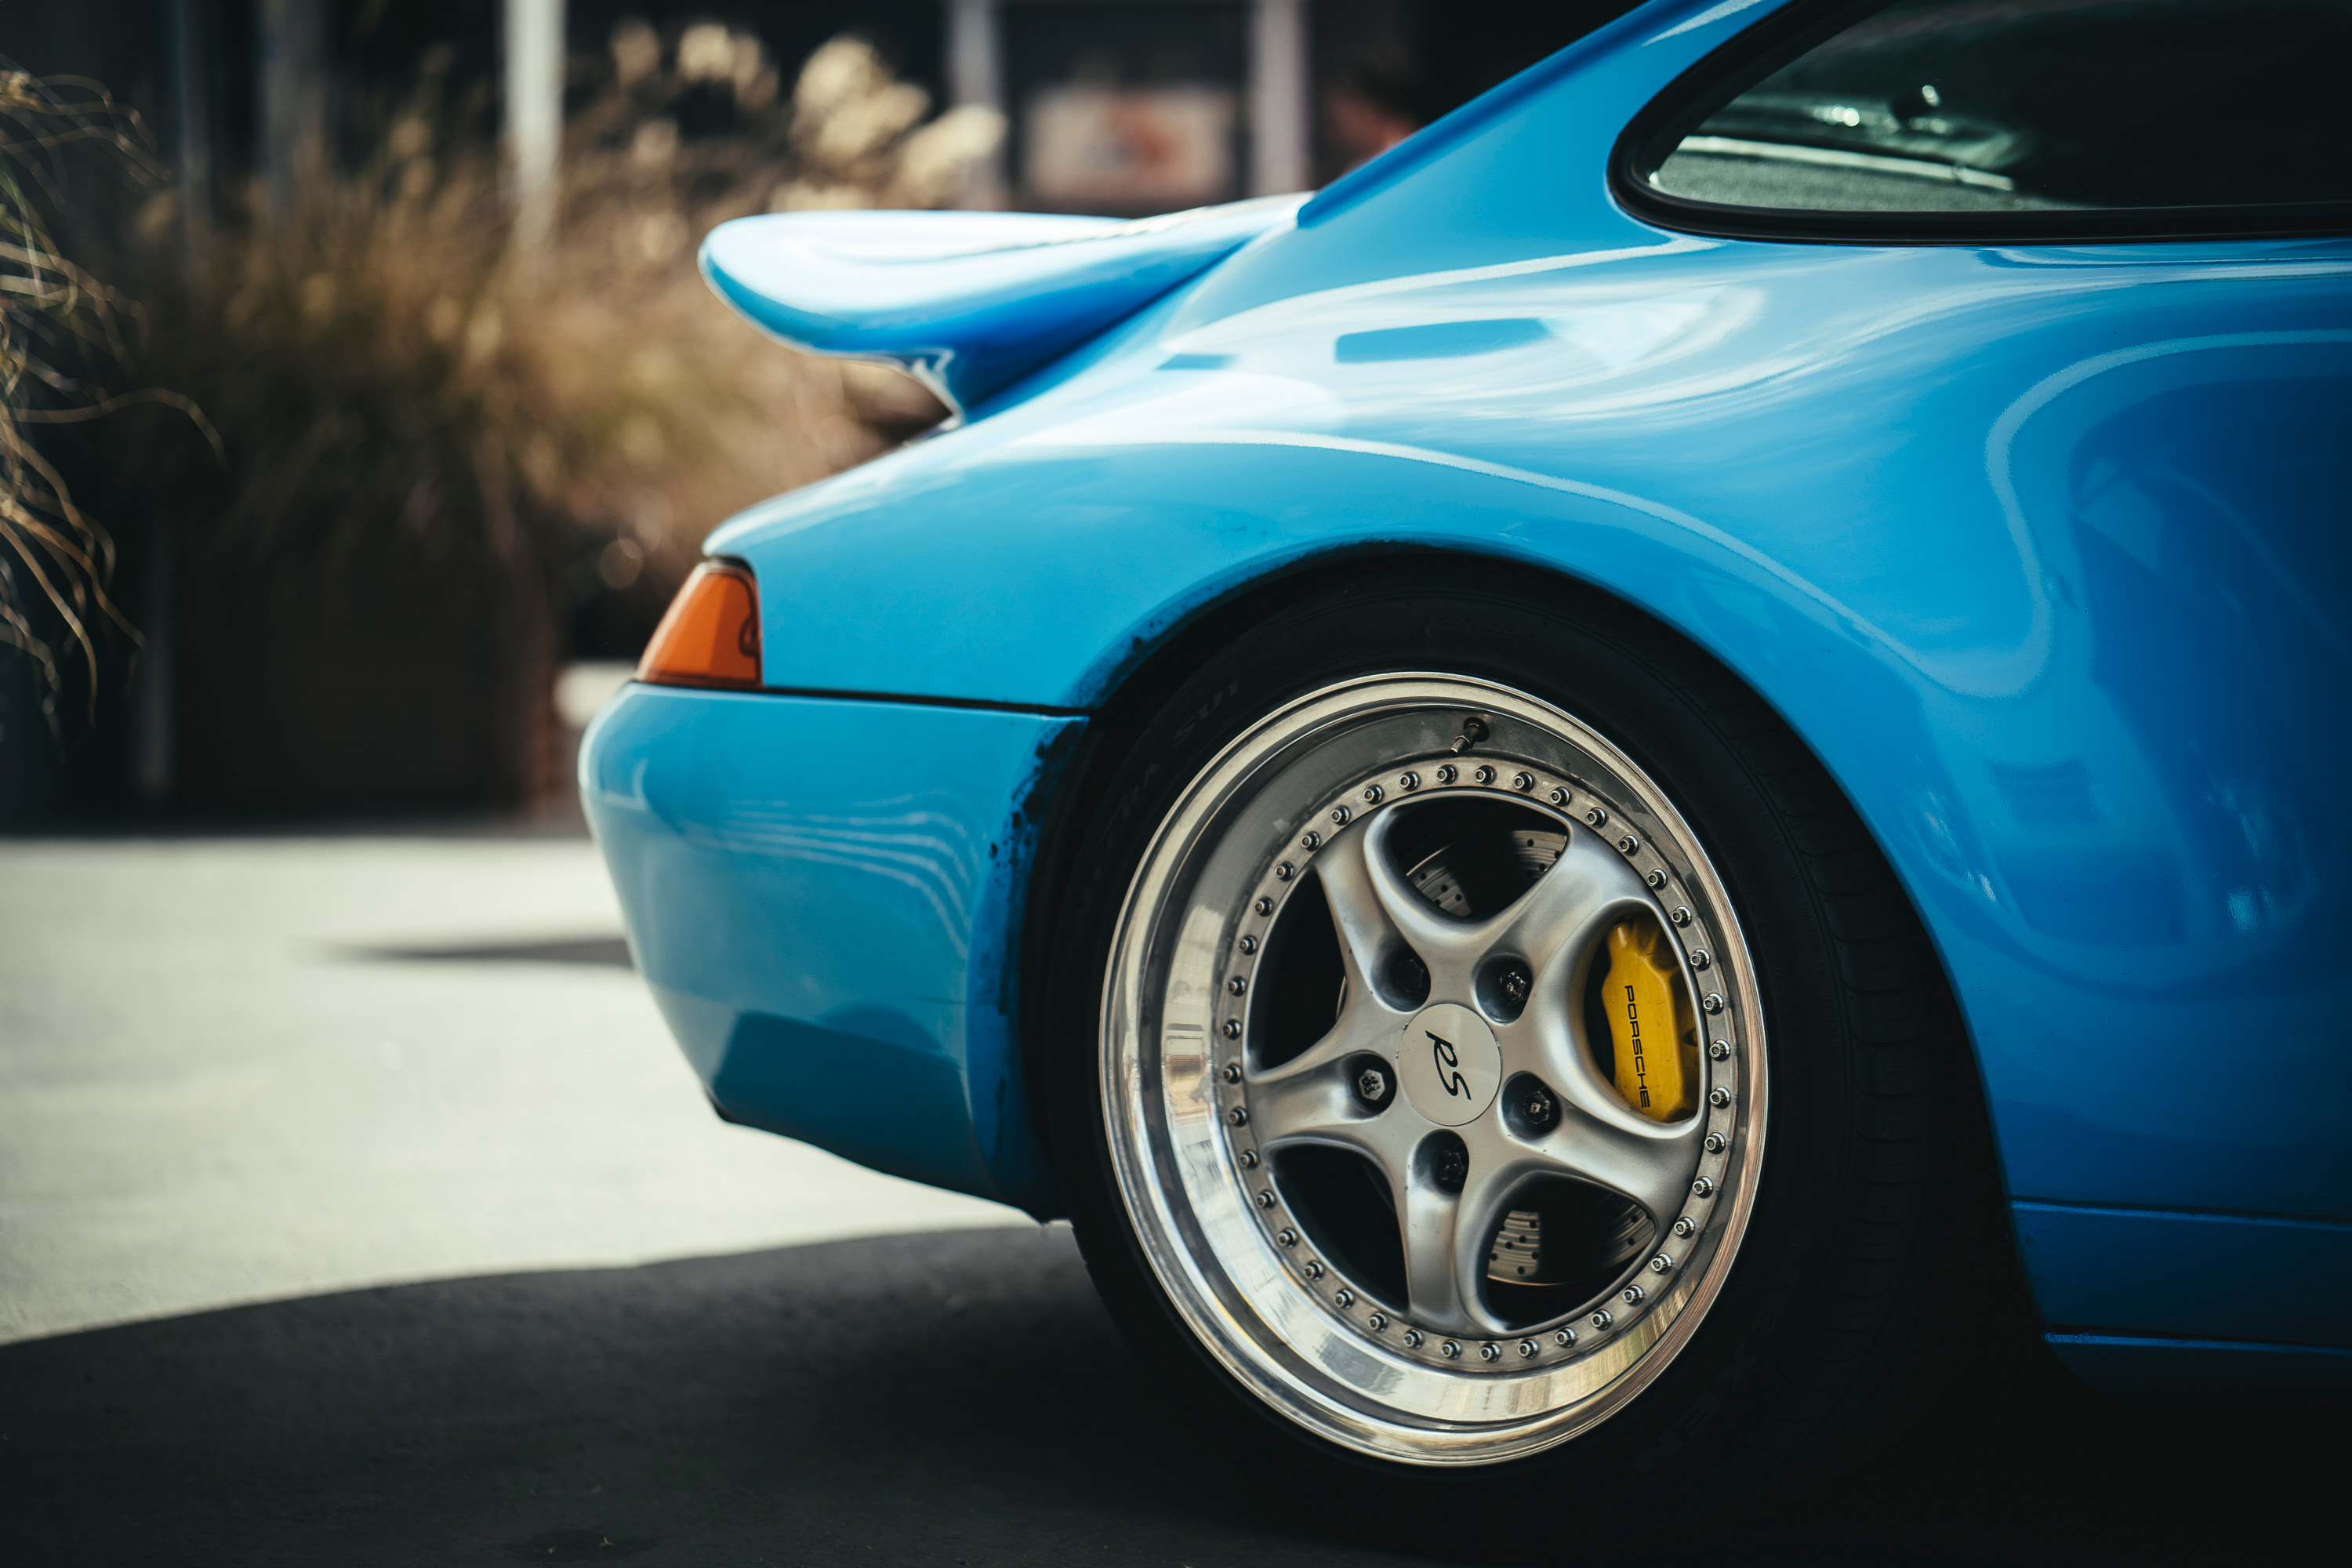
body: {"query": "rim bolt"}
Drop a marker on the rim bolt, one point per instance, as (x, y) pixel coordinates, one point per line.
(1448, 773)
(1314, 1270)
(1249, 944)
(1715, 1143)
(1721, 1050)
(1631, 1295)
(1713, 1004)
(1238, 985)
(1703, 1188)
(1558, 797)
(1377, 1322)
(1374, 794)
(1661, 1263)
(1630, 843)
(1233, 1072)
(1284, 872)
(1346, 1298)
(1310, 840)
(1719, 1097)
(1288, 1237)
(1265, 1197)
(1490, 1350)
(1523, 781)
(1528, 1347)
(1602, 1319)
(1408, 781)
(1657, 878)
(1681, 917)
(1686, 1226)
(1699, 959)
(1238, 1116)
(1412, 1338)
(1249, 1159)
(1598, 816)
(1232, 1030)
(1450, 1349)
(1263, 906)
(1372, 1086)
(1339, 814)
(1563, 1337)
(1485, 776)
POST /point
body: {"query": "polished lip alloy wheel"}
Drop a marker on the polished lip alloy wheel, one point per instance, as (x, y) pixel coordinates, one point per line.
(1431, 1224)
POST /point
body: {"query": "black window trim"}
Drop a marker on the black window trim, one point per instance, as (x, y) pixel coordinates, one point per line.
(1758, 51)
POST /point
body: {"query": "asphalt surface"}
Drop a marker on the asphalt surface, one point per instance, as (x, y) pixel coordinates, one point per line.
(277, 1299)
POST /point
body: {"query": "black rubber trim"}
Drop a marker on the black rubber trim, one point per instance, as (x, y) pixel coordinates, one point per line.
(903, 698)
(1759, 51)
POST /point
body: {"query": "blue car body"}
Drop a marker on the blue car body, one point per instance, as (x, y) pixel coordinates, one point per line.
(2043, 549)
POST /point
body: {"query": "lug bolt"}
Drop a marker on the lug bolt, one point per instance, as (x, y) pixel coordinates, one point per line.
(1451, 1167)
(1685, 1226)
(1447, 774)
(1563, 1337)
(1490, 1350)
(1528, 1347)
(1703, 1188)
(1265, 1197)
(1371, 1086)
(1515, 983)
(1310, 840)
(1661, 1263)
(1450, 1349)
(1408, 781)
(1721, 1050)
(1374, 794)
(1602, 1319)
(1346, 1298)
(1719, 1097)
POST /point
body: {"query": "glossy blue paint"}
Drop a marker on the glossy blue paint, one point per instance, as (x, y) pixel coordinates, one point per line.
(967, 301)
(823, 897)
(2221, 1277)
(2043, 549)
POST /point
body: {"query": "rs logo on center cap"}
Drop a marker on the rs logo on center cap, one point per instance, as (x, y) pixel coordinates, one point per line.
(1449, 1064)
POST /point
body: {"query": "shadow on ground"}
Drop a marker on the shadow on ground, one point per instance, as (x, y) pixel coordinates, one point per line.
(955, 1399)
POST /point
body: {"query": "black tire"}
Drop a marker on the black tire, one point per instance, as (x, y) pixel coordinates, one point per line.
(1872, 1205)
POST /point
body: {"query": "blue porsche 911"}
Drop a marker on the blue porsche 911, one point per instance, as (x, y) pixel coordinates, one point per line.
(1569, 795)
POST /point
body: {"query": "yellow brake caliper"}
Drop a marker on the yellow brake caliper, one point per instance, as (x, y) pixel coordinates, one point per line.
(1657, 1046)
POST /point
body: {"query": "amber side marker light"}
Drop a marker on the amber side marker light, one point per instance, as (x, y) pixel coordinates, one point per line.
(710, 635)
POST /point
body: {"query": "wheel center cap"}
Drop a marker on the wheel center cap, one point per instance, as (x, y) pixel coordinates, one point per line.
(1450, 1065)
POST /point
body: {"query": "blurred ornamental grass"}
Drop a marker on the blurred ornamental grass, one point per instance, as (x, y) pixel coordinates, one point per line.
(62, 346)
(385, 359)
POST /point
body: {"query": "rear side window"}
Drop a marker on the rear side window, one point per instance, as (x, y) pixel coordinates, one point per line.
(1954, 119)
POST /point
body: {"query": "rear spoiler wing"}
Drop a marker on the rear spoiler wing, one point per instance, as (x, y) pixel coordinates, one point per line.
(968, 302)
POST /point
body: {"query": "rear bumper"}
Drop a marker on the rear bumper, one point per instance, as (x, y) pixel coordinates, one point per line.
(825, 896)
